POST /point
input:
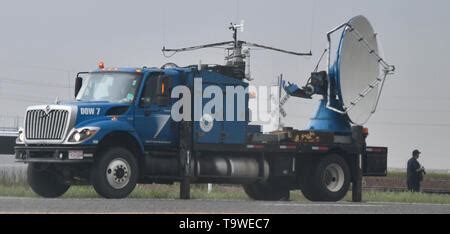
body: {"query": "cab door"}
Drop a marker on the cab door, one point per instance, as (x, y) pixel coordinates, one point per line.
(153, 121)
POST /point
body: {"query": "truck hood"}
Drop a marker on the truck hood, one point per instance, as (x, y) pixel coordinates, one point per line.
(94, 111)
(71, 115)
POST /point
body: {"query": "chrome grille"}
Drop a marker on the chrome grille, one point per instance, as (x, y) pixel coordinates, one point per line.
(42, 126)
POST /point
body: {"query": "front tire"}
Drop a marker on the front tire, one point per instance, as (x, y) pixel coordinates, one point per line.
(115, 173)
(328, 180)
(45, 180)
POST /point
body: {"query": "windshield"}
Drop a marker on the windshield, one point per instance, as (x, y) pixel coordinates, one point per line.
(111, 87)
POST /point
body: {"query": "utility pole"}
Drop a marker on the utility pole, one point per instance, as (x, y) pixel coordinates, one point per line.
(68, 86)
(16, 124)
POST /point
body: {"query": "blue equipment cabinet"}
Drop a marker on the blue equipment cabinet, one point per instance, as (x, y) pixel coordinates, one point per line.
(209, 131)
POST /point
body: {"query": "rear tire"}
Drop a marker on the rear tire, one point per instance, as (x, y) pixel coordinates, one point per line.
(308, 188)
(266, 191)
(45, 180)
(328, 180)
(115, 173)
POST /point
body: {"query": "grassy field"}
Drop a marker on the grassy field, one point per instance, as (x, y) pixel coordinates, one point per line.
(406, 197)
(12, 183)
(222, 193)
(12, 176)
(141, 191)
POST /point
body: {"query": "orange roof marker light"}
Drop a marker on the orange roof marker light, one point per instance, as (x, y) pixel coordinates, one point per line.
(365, 132)
(101, 65)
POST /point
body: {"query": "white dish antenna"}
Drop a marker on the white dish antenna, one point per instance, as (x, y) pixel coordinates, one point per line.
(359, 71)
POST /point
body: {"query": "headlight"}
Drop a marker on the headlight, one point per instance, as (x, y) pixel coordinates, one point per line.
(82, 134)
(77, 136)
(21, 137)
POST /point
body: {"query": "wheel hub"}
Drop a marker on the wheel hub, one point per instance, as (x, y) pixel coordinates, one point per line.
(118, 173)
(334, 177)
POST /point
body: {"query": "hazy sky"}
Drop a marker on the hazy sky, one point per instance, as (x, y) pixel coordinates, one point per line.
(43, 43)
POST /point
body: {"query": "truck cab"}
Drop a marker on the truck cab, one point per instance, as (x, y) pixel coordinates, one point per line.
(128, 107)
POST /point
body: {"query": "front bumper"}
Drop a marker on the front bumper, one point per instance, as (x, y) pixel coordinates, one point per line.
(54, 154)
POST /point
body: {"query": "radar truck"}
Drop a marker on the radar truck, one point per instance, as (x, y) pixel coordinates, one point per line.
(120, 130)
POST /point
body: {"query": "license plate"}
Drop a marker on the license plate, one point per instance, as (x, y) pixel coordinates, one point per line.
(75, 154)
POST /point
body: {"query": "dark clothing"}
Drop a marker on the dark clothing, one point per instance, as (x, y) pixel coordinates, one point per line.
(413, 185)
(414, 176)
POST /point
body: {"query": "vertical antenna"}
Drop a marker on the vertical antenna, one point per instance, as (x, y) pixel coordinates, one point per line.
(237, 50)
(280, 107)
(248, 74)
(280, 78)
(313, 18)
(164, 24)
(237, 11)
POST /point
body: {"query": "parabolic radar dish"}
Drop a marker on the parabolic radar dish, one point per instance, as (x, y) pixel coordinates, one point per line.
(357, 70)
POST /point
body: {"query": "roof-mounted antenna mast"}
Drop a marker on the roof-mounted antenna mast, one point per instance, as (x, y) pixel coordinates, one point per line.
(235, 28)
(236, 59)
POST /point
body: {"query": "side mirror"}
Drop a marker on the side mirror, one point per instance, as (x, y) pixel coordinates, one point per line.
(143, 102)
(78, 84)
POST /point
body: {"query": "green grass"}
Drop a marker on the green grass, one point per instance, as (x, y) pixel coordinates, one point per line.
(10, 177)
(140, 192)
(13, 183)
(223, 193)
(406, 197)
(16, 191)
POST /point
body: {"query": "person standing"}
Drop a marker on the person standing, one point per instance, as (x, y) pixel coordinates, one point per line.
(415, 172)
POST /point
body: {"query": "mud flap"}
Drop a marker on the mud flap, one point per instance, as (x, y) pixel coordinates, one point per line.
(375, 161)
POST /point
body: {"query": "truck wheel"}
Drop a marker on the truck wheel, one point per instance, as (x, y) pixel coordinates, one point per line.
(328, 181)
(266, 191)
(115, 173)
(308, 188)
(45, 181)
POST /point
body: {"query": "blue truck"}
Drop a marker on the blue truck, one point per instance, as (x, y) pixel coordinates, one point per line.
(120, 132)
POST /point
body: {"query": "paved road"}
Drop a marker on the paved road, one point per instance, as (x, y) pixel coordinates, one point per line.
(39, 205)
